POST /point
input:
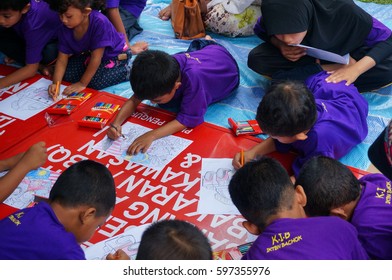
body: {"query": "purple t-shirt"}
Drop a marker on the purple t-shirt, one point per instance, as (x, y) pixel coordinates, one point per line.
(318, 238)
(372, 216)
(135, 7)
(100, 34)
(39, 22)
(207, 76)
(36, 234)
(340, 125)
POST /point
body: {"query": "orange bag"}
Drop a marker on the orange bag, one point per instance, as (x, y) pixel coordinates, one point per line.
(187, 18)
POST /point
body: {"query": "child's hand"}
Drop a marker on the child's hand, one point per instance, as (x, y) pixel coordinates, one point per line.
(35, 156)
(76, 87)
(142, 143)
(114, 131)
(52, 91)
(292, 53)
(139, 47)
(118, 255)
(347, 73)
(237, 159)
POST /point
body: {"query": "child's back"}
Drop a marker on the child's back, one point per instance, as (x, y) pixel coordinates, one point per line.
(321, 238)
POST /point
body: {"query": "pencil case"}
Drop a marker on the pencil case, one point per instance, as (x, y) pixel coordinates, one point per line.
(99, 115)
(69, 104)
(248, 127)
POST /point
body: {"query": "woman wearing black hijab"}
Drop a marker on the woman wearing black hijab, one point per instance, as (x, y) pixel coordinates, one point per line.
(338, 26)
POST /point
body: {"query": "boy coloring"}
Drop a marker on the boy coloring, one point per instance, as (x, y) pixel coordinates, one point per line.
(315, 118)
(81, 200)
(188, 81)
(91, 52)
(22, 23)
(274, 210)
(332, 189)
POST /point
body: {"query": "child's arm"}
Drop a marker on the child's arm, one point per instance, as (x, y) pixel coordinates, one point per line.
(143, 142)
(263, 148)
(33, 158)
(92, 67)
(19, 75)
(59, 70)
(113, 15)
(125, 112)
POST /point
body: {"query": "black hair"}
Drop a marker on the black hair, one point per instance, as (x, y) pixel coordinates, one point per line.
(85, 183)
(173, 240)
(15, 5)
(61, 6)
(154, 73)
(288, 108)
(260, 189)
(328, 184)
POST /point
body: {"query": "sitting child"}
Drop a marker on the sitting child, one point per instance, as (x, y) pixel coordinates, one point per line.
(265, 196)
(190, 81)
(18, 166)
(22, 23)
(80, 201)
(92, 53)
(310, 124)
(170, 240)
(332, 189)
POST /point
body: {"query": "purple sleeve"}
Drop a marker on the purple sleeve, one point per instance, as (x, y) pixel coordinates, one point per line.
(189, 114)
(112, 3)
(380, 41)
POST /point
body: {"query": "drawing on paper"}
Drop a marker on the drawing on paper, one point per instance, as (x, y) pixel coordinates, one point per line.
(128, 241)
(214, 192)
(36, 183)
(29, 101)
(160, 153)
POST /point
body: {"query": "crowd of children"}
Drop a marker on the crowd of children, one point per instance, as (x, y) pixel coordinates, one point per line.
(312, 108)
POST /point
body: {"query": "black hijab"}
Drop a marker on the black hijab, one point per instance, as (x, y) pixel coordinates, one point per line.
(338, 26)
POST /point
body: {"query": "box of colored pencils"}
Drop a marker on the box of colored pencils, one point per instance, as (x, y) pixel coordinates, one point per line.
(249, 127)
(234, 253)
(69, 104)
(99, 115)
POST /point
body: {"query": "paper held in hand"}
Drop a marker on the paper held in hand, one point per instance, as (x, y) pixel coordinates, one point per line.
(325, 55)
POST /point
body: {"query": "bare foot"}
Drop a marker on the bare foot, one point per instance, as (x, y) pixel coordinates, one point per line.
(8, 60)
(46, 70)
(139, 47)
(165, 13)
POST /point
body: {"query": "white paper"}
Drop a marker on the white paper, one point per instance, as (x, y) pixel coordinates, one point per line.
(127, 241)
(214, 192)
(325, 55)
(161, 152)
(29, 101)
(36, 183)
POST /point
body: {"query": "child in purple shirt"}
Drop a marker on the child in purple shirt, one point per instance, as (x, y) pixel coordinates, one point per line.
(315, 24)
(274, 210)
(310, 124)
(81, 200)
(91, 52)
(188, 81)
(332, 189)
(124, 15)
(22, 23)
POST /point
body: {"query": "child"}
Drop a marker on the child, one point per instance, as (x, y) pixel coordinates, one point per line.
(264, 194)
(332, 189)
(315, 24)
(80, 201)
(100, 56)
(22, 22)
(310, 125)
(18, 166)
(124, 15)
(190, 81)
(171, 240)
(380, 152)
